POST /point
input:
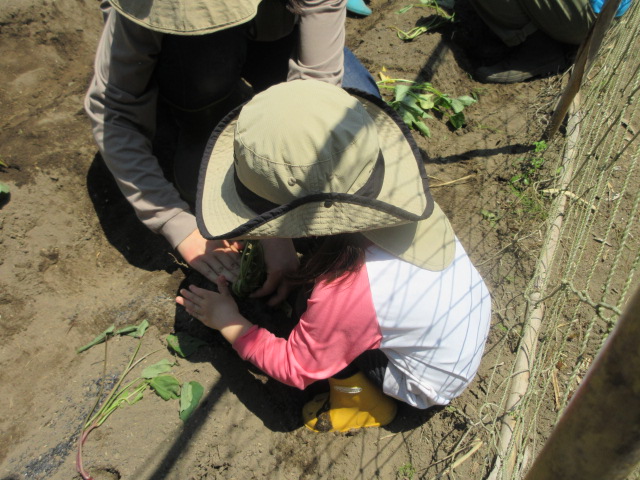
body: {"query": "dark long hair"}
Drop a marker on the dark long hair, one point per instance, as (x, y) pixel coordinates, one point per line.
(330, 257)
(294, 6)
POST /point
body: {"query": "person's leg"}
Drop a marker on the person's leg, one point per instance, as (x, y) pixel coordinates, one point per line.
(357, 76)
(372, 363)
(568, 21)
(514, 20)
(558, 27)
(506, 18)
(355, 398)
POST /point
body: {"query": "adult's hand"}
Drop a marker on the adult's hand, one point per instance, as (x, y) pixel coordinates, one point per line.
(211, 258)
(280, 259)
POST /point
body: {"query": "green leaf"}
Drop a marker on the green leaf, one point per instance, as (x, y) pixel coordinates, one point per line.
(425, 101)
(410, 102)
(401, 91)
(135, 331)
(166, 386)
(540, 146)
(404, 9)
(443, 101)
(456, 105)
(408, 117)
(163, 366)
(457, 120)
(466, 100)
(140, 329)
(422, 127)
(411, 34)
(126, 330)
(99, 339)
(189, 399)
(184, 344)
(4, 188)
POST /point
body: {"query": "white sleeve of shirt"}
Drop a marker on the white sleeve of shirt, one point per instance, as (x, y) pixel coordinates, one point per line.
(434, 326)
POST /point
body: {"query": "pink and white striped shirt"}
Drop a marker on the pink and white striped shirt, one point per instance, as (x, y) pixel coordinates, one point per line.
(431, 325)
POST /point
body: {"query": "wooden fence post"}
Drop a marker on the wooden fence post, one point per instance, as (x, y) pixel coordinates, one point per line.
(584, 59)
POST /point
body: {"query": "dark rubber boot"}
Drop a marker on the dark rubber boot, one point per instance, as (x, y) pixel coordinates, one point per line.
(538, 55)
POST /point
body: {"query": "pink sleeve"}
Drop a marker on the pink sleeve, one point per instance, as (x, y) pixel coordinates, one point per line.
(339, 324)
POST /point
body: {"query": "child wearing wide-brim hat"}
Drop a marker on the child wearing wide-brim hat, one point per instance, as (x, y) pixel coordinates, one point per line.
(397, 309)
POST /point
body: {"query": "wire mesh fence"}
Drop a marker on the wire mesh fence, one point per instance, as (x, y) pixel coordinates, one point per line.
(588, 265)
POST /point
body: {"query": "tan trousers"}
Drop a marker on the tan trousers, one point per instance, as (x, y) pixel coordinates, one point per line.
(566, 21)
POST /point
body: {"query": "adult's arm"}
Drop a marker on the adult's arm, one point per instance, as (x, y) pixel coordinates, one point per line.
(320, 52)
(121, 103)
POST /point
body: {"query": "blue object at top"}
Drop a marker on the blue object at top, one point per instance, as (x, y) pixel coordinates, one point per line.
(598, 4)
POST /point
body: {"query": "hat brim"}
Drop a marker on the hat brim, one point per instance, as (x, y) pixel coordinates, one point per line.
(187, 17)
(410, 226)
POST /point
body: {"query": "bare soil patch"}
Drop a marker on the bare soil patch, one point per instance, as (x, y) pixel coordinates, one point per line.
(74, 260)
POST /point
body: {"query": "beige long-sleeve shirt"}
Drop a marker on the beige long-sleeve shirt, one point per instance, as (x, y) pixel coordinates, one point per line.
(121, 103)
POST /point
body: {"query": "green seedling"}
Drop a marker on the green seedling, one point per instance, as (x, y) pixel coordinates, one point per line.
(431, 23)
(540, 146)
(154, 377)
(253, 271)
(136, 331)
(406, 472)
(415, 103)
(430, 4)
(489, 216)
(530, 168)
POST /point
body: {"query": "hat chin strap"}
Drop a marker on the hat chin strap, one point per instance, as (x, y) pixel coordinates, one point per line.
(260, 205)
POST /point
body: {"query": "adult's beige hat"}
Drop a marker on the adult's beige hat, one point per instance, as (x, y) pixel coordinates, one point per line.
(306, 158)
(187, 17)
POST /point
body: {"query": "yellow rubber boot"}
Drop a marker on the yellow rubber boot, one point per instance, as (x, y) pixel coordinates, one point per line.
(351, 403)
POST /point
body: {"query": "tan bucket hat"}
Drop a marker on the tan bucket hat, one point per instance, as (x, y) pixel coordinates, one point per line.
(187, 17)
(306, 158)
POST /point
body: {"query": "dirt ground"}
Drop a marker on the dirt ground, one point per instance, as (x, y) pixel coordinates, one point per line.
(74, 260)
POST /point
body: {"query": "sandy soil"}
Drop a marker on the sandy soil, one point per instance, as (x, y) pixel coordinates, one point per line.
(74, 260)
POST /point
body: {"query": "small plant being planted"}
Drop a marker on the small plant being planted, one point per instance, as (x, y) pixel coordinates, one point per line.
(253, 271)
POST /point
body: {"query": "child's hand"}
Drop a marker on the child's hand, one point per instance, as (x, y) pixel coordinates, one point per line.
(216, 310)
(280, 260)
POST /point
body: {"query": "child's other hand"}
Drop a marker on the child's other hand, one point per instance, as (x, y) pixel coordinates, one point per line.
(280, 259)
(216, 310)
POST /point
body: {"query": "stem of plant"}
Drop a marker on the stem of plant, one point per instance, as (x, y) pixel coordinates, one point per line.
(110, 405)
